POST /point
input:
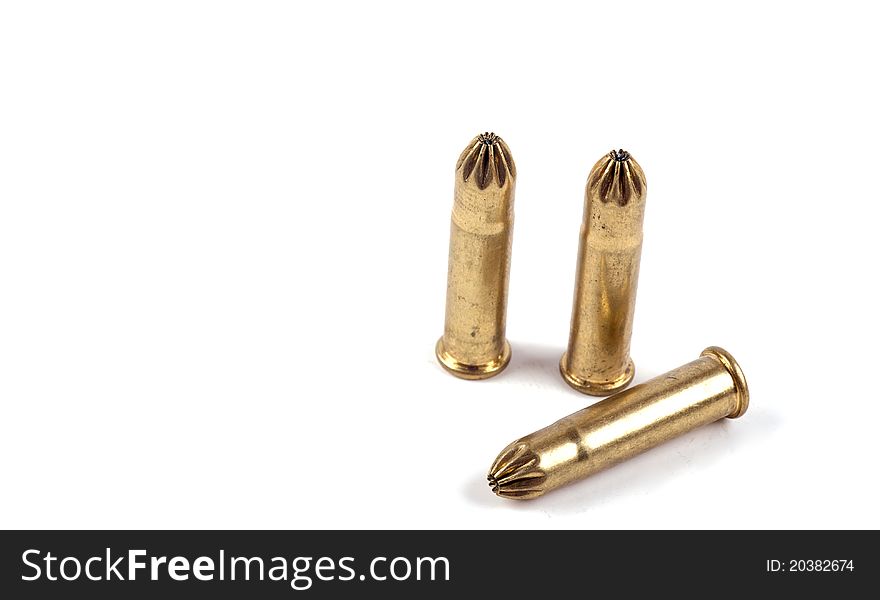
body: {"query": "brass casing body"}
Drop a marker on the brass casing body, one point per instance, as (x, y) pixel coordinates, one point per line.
(473, 345)
(597, 361)
(622, 426)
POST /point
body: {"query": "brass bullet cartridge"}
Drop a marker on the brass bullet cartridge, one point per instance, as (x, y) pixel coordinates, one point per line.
(473, 345)
(622, 426)
(597, 361)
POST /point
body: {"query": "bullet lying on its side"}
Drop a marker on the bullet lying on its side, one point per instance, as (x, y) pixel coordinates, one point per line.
(622, 426)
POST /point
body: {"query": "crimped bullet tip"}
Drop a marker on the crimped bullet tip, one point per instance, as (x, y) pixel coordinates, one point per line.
(488, 138)
(487, 159)
(619, 155)
(516, 473)
(617, 178)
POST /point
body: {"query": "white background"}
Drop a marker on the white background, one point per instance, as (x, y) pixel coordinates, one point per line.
(223, 243)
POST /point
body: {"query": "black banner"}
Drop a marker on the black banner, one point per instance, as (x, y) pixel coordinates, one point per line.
(429, 564)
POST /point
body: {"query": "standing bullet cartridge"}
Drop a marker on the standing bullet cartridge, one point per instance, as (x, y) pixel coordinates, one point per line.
(597, 361)
(622, 426)
(473, 345)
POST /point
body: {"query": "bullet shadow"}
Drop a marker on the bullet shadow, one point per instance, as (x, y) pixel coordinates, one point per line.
(537, 367)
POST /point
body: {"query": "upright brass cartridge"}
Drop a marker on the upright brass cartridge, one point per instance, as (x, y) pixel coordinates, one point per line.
(622, 426)
(473, 345)
(597, 361)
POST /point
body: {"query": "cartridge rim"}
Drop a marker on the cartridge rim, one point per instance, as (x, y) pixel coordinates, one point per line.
(472, 372)
(594, 388)
(739, 379)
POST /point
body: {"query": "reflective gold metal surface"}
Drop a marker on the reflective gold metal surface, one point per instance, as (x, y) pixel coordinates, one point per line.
(597, 361)
(624, 425)
(473, 345)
